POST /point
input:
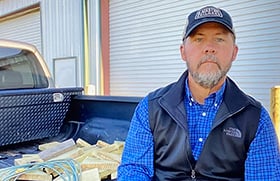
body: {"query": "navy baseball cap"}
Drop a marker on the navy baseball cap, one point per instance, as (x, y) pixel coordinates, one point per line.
(207, 14)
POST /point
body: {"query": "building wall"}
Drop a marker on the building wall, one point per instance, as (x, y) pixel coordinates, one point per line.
(143, 41)
(62, 35)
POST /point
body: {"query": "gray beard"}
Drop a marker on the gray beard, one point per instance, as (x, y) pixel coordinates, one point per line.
(209, 80)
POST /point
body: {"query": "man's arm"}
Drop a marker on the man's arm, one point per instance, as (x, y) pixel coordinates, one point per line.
(137, 157)
(263, 161)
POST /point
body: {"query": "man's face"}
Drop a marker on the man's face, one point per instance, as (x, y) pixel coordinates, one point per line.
(209, 52)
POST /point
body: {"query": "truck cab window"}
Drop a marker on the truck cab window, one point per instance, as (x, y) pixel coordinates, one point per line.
(19, 69)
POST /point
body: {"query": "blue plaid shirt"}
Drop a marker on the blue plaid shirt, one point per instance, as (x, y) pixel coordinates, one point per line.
(263, 161)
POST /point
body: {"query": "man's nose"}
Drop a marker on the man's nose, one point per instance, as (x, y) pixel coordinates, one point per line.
(210, 49)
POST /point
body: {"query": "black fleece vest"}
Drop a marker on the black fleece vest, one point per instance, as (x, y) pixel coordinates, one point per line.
(224, 153)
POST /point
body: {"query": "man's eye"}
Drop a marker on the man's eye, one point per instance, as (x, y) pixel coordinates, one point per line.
(198, 39)
(220, 39)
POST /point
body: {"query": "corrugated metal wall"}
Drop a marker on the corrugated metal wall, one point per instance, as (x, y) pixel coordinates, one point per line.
(144, 51)
(145, 38)
(62, 31)
(257, 68)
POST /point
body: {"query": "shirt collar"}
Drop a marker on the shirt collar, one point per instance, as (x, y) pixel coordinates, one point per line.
(218, 95)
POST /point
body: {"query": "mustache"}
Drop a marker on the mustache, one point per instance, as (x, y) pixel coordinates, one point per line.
(208, 58)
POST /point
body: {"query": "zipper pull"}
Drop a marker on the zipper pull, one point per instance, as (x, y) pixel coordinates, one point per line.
(193, 174)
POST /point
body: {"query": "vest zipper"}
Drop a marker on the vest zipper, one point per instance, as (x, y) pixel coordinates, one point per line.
(193, 174)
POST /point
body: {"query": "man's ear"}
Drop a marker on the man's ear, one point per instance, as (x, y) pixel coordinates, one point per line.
(234, 53)
(183, 52)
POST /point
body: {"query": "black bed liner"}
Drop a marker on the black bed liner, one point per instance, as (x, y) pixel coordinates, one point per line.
(91, 118)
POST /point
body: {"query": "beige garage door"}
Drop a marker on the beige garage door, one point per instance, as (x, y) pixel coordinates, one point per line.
(26, 27)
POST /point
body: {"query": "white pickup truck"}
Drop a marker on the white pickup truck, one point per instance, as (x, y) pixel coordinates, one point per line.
(33, 111)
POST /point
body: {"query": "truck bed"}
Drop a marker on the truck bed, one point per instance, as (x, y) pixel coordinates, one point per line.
(90, 118)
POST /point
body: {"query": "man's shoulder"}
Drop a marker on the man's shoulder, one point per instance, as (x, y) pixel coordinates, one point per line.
(159, 92)
(254, 101)
(237, 95)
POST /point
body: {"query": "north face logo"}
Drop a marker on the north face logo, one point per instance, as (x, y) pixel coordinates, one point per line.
(234, 132)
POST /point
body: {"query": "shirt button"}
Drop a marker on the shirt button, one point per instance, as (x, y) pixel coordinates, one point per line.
(204, 114)
(215, 104)
(190, 104)
(200, 139)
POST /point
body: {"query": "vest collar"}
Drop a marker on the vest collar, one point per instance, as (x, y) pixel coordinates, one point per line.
(234, 101)
(173, 101)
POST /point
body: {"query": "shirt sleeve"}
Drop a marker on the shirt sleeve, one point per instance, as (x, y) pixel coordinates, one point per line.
(137, 157)
(263, 161)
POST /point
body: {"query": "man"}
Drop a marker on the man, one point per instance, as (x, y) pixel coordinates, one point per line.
(202, 127)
